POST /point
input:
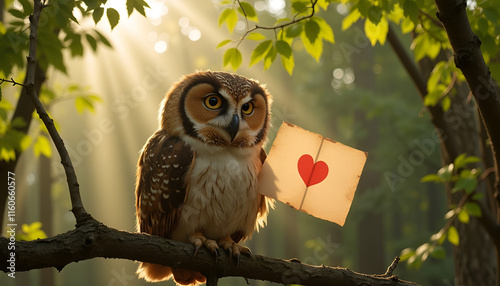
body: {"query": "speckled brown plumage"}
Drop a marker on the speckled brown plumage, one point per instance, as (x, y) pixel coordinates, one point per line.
(197, 175)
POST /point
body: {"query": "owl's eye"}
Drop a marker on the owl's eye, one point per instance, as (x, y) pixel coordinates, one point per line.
(247, 108)
(213, 102)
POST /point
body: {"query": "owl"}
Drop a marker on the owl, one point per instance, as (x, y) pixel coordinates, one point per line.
(197, 174)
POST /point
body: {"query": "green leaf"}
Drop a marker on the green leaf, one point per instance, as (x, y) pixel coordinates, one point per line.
(76, 46)
(364, 7)
(232, 56)
(32, 232)
(92, 42)
(376, 32)
(270, 57)
(18, 122)
(466, 184)
(477, 196)
(138, 5)
(299, 7)
(27, 6)
(294, 30)
(431, 178)
(411, 10)
(288, 63)
(256, 36)
(324, 4)
(425, 45)
(311, 29)
(406, 254)
(97, 14)
(229, 17)
(473, 209)
(453, 236)
(407, 26)
(42, 147)
(284, 48)
(350, 19)
(260, 51)
(103, 39)
(463, 216)
(445, 103)
(113, 17)
(16, 13)
(462, 160)
(249, 11)
(326, 31)
(223, 43)
(67, 8)
(432, 98)
(491, 14)
(51, 47)
(375, 14)
(86, 102)
(314, 49)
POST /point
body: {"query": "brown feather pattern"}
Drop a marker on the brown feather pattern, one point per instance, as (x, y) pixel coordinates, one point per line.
(161, 189)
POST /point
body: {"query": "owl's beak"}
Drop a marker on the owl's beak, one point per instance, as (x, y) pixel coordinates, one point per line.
(233, 127)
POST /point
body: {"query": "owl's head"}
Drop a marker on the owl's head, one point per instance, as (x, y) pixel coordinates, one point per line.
(217, 108)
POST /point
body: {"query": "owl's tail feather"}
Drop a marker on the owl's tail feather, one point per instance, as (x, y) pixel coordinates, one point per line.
(188, 277)
(156, 273)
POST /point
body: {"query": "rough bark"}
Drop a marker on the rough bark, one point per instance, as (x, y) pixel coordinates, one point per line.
(93, 239)
(469, 59)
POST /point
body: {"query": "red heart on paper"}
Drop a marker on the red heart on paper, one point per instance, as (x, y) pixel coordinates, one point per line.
(310, 172)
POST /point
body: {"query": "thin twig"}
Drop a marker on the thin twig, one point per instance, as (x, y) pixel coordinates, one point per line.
(11, 80)
(74, 190)
(450, 221)
(281, 26)
(391, 268)
(432, 19)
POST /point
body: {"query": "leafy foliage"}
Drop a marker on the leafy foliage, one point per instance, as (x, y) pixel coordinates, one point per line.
(311, 30)
(304, 27)
(58, 31)
(465, 180)
(31, 231)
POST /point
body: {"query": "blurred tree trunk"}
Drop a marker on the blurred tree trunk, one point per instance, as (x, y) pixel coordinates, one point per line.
(46, 210)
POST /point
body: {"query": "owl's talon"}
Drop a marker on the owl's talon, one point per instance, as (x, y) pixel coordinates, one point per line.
(197, 247)
(230, 252)
(237, 255)
(217, 254)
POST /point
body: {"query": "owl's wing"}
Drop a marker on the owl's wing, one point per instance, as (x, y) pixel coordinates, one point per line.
(160, 187)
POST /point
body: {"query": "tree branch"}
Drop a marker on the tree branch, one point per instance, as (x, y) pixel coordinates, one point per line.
(74, 189)
(93, 239)
(469, 59)
(436, 112)
(281, 26)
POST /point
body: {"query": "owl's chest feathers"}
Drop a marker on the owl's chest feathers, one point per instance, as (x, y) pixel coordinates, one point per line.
(222, 196)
